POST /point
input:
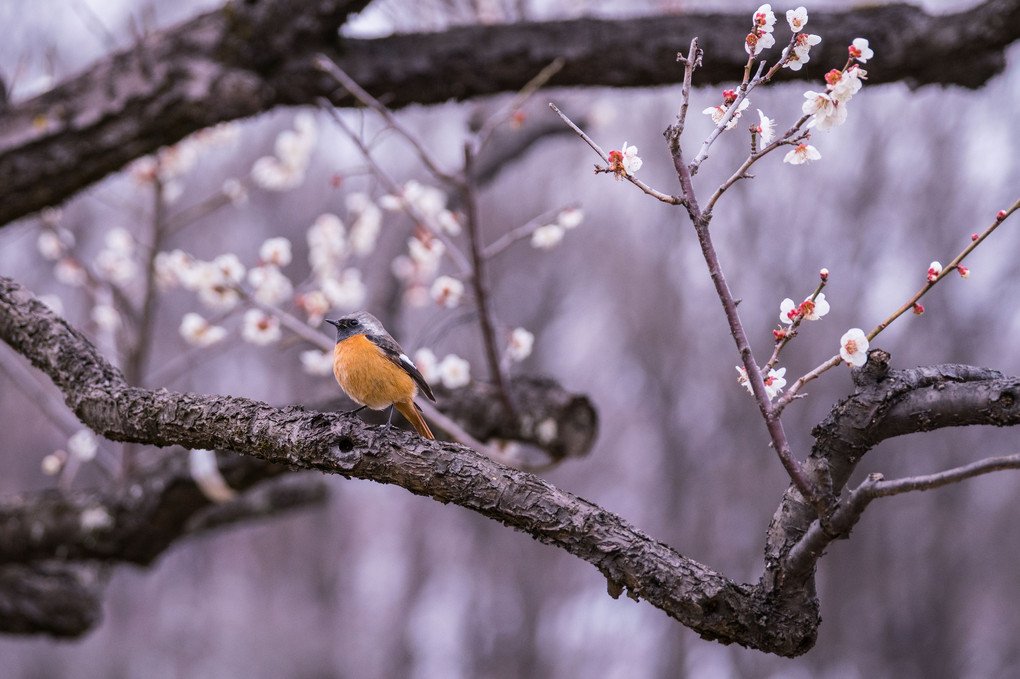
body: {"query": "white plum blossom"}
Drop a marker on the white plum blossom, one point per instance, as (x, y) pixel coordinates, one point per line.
(293, 148)
(230, 267)
(69, 272)
(774, 382)
(763, 22)
(520, 345)
(346, 291)
(754, 44)
(842, 85)
(428, 365)
(275, 251)
(199, 332)
(718, 112)
(49, 245)
(447, 291)
(766, 128)
(426, 254)
(829, 114)
(547, 236)
(631, 161)
(764, 18)
(797, 18)
(315, 304)
(115, 262)
(260, 328)
(105, 317)
(327, 245)
(811, 310)
(367, 223)
(934, 269)
(315, 362)
(853, 347)
(169, 267)
(860, 51)
(234, 191)
(454, 371)
(83, 445)
(802, 154)
(53, 463)
(271, 286)
(570, 218)
(120, 241)
(801, 51)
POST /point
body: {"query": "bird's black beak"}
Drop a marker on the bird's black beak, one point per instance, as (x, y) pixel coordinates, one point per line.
(335, 324)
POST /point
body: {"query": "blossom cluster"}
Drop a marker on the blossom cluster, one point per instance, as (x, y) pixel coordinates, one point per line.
(825, 109)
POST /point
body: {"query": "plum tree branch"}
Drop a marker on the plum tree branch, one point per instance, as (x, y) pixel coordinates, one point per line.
(249, 57)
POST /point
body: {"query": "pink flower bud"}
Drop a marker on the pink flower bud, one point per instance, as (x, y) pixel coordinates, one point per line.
(1002, 215)
(824, 274)
(974, 236)
(918, 309)
(964, 271)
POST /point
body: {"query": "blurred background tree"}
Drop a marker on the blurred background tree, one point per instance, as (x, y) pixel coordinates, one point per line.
(376, 582)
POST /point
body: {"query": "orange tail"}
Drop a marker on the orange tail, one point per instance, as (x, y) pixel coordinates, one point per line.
(410, 411)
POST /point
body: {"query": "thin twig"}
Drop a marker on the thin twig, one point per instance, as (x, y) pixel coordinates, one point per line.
(329, 66)
(523, 231)
(836, 360)
(518, 100)
(672, 200)
(731, 111)
(945, 271)
(395, 189)
(819, 534)
(691, 62)
(480, 284)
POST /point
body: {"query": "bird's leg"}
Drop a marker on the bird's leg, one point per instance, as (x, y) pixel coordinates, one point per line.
(389, 418)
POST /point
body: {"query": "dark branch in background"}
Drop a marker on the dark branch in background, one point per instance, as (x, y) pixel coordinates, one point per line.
(247, 58)
(56, 548)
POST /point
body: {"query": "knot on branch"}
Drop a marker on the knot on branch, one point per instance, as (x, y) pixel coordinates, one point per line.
(874, 370)
(557, 422)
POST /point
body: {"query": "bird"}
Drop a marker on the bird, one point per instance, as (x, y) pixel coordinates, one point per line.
(375, 372)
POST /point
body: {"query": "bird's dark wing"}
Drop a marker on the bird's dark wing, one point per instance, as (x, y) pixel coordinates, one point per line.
(393, 352)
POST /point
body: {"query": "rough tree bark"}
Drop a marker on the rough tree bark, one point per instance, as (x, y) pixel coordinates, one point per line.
(249, 57)
(777, 615)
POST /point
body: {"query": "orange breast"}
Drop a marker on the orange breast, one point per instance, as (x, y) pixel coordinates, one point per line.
(368, 377)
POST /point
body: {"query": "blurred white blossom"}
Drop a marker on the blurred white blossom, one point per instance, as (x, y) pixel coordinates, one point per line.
(315, 362)
(260, 328)
(454, 371)
(199, 332)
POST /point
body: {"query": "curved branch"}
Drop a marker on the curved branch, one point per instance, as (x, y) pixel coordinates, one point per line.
(887, 403)
(697, 596)
(249, 57)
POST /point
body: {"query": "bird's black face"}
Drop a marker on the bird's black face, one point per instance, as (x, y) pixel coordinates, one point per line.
(346, 327)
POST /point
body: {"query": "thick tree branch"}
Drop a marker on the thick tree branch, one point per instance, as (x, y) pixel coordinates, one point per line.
(250, 57)
(779, 615)
(334, 443)
(887, 403)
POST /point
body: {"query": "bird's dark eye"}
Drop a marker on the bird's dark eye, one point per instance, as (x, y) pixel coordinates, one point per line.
(353, 323)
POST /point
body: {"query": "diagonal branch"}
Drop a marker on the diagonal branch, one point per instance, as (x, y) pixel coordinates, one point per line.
(697, 596)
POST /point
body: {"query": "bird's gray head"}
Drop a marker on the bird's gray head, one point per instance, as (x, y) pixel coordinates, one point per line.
(357, 323)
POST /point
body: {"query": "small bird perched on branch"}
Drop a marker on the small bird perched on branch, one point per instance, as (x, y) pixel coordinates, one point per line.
(375, 372)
